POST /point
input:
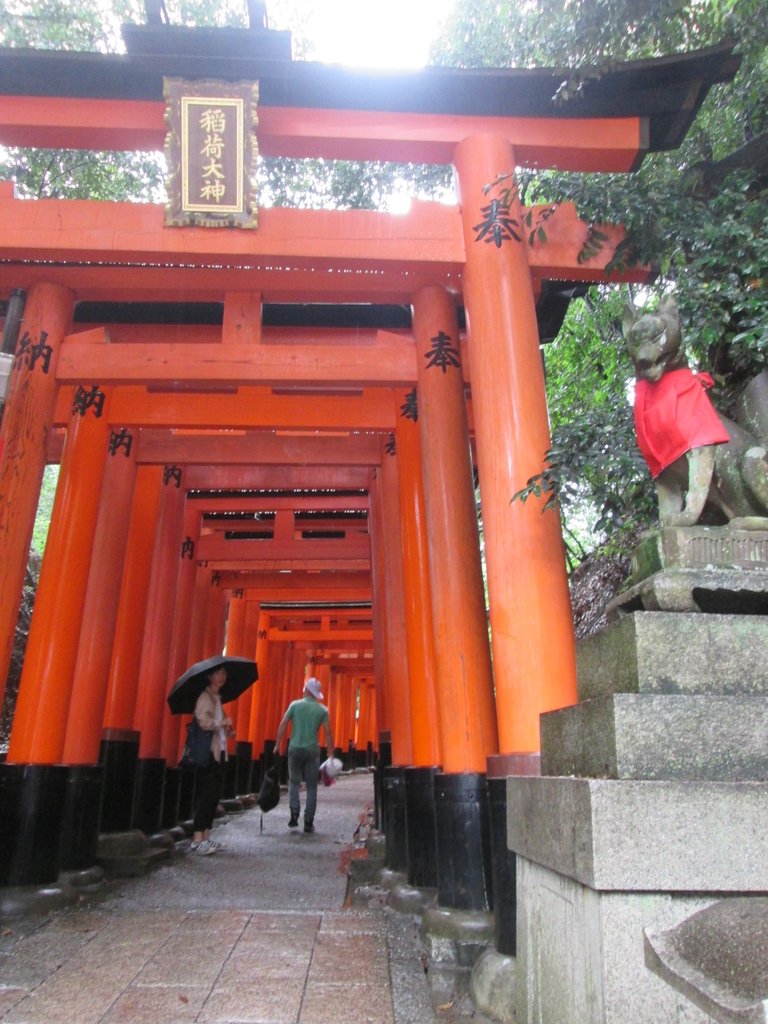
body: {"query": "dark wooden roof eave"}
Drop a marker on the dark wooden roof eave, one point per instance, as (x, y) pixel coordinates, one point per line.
(666, 91)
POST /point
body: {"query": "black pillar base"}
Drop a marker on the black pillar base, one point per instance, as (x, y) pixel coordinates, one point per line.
(420, 826)
(187, 779)
(118, 757)
(229, 779)
(171, 793)
(32, 801)
(244, 752)
(463, 841)
(80, 830)
(395, 834)
(384, 761)
(148, 795)
(503, 870)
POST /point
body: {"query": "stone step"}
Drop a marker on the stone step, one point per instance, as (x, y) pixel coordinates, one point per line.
(711, 591)
(675, 652)
(130, 854)
(653, 736)
(632, 836)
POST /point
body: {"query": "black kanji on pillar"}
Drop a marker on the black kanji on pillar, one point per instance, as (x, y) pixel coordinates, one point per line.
(442, 353)
(88, 398)
(120, 439)
(409, 410)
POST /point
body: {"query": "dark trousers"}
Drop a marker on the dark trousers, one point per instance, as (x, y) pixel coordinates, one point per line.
(303, 764)
(209, 781)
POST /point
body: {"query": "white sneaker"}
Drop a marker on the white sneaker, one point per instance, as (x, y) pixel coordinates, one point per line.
(204, 848)
(216, 844)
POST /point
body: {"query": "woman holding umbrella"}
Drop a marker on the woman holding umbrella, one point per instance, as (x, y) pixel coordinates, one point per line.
(202, 690)
(211, 718)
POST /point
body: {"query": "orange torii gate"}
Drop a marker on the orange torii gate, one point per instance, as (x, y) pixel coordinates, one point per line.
(171, 336)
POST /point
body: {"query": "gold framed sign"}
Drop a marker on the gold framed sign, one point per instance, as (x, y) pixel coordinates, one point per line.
(211, 149)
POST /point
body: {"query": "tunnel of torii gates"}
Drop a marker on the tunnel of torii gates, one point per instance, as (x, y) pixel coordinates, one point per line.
(268, 437)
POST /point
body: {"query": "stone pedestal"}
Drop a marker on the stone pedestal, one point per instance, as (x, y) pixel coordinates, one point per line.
(653, 799)
(699, 569)
(453, 941)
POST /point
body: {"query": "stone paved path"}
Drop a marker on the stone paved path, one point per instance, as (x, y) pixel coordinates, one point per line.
(256, 934)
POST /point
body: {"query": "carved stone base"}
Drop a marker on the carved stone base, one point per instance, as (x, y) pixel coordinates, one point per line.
(743, 544)
(699, 569)
(722, 591)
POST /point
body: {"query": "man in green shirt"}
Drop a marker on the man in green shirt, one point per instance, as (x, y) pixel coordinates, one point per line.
(307, 715)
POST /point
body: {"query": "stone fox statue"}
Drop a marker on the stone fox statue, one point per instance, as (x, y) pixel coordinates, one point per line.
(703, 465)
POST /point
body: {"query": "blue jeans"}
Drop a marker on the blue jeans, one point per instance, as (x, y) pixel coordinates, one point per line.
(303, 764)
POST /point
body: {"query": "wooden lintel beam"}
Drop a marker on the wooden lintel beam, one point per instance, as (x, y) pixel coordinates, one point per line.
(323, 636)
(132, 405)
(345, 246)
(302, 520)
(358, 666)
(289, 565)
(351, 241)
(605, 144)
(211, 548)
(305, 503)
(137, 283)
(310, 581)
(256, 448)
(277, 478)
(331, 618)
(308, 594)
(390, 364)
(319, 586)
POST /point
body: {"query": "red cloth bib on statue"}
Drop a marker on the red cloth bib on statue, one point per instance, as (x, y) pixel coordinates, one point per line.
(673, 415)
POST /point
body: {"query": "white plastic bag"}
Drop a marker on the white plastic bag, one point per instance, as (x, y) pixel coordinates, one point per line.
(330, 769)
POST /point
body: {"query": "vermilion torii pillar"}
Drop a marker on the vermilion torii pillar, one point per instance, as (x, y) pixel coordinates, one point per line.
(197, 635)
(182, 617)
(94, 654)
(152, 709)
(216, 615)
(49, 664)
(466, 701)
(38, 736)
(248, 642)
(120, 744)
(263, 686)
(120, 709)
(79, 846)
(531, 626)
(378, 592)
(27, 418)
(397, 699)
(425, 720)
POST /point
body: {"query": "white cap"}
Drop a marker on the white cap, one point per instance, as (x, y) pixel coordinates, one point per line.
(313, 685)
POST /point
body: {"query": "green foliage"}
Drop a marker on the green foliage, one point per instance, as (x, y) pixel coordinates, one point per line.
(347, 184)
(704, 233)
(578, 33)
(82, 174)
(44, 509)
(50, 24)
(593, 468)
(709, 243)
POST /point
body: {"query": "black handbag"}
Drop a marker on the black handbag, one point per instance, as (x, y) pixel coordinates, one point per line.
(269, 794)
(197, 749)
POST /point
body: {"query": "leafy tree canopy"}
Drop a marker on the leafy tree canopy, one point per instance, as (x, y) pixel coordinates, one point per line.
(698, 215)
(317, 184)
